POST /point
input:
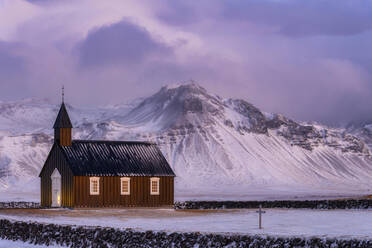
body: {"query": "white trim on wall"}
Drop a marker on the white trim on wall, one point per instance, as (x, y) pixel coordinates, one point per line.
(123, 181)
(94, 185)
(155, 186)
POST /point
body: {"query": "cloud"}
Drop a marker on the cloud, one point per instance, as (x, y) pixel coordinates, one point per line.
(328, 90)
(305, 18)
(309, 60)
(120, 43)
(13, 14)
(287, 17)
(12, 69)
(178, 13)
(11, 65)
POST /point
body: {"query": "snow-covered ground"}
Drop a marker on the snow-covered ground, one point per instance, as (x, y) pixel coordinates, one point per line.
(323, 223)
(19, 244)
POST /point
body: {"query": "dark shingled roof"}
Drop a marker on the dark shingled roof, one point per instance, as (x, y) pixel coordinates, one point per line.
(63, 120)
(116, 158)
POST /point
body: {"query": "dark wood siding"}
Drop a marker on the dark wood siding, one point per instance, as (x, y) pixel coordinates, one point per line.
(63, 136)
(56, 160)
(110, 193)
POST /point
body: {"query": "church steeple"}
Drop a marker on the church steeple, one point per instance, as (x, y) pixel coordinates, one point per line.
(62, 126)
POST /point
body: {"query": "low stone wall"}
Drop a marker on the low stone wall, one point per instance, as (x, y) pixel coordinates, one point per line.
(19, 205)
(321, 204)
(73, 236)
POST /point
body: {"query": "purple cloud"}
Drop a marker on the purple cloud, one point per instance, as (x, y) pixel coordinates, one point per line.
(12, 69)
(305, 18)
(309, 60)
(288, 17)
(179, 13)
(11, 65)
(120, 43)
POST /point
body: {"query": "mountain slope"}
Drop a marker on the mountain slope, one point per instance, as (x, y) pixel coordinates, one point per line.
(216, 146)
(230, 141)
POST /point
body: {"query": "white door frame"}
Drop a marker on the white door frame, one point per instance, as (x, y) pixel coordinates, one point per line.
(56, 188)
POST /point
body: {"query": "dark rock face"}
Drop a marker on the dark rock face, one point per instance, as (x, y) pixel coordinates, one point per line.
(193, 105)
(73, 236)
(362, 130)
(229, 123)
(323, 204)
(308, 137)
(354, 144)
(305, 136)
(279, 120)
(256, 118)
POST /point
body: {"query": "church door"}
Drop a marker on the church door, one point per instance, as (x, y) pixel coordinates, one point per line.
(56, 188)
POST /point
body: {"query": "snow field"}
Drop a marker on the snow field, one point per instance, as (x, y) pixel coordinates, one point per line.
(345, 224)
(20, 244)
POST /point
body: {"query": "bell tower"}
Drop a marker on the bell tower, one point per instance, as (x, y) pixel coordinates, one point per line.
(62, 126)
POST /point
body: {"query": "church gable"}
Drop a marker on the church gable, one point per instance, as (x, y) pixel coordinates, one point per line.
(56, 160)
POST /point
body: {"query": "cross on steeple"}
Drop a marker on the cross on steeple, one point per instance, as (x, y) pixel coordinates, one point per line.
(63, 93)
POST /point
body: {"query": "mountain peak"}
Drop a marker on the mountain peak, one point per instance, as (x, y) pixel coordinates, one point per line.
(184, 87)
(172, 106)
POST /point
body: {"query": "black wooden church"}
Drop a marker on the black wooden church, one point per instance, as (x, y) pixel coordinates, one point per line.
(87, 173)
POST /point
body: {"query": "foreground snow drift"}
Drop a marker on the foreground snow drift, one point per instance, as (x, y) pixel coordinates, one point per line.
(20, 244)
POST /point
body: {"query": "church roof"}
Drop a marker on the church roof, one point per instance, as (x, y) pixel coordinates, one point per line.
(63, 120)
(116, 158)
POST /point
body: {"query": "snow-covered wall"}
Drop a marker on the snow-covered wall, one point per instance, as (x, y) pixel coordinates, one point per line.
(72, 236)
(323, 204)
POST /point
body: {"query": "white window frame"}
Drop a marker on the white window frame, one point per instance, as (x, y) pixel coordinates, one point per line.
(91, 180)
(122, 180)
(155, 179)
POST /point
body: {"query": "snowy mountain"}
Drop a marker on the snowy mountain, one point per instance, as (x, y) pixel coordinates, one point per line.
(362, 130)
(217, 147)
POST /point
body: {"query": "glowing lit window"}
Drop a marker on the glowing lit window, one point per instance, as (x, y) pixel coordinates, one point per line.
(154, 186)
(94, 185)
(125, 185)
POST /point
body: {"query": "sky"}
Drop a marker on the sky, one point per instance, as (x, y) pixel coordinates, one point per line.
(309, 60)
